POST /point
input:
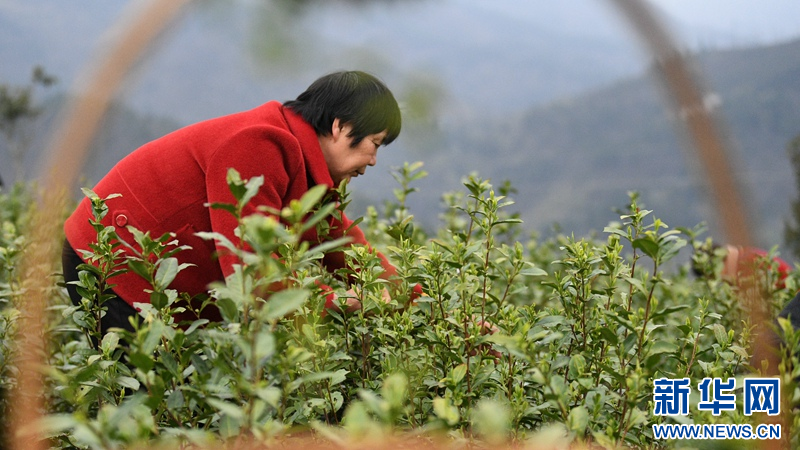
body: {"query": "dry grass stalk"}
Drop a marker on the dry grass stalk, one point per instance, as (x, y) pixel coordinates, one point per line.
(709, 144)
(65, 158)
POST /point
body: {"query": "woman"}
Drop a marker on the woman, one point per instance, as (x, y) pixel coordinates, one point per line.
(329, 134)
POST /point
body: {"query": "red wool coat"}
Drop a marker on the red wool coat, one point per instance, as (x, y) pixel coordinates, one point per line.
(166, 184)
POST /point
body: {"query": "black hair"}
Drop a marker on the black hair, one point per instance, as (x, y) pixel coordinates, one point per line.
(355, 98)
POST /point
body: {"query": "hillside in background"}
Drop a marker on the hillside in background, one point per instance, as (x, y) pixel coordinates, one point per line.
(121, 130)
(222, 56)
(573, 161)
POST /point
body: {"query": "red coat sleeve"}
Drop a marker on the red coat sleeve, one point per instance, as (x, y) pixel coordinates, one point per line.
(335, 260)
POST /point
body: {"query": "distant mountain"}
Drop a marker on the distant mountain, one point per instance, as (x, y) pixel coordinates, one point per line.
(573, 161)
(222, 57)
(122, 130)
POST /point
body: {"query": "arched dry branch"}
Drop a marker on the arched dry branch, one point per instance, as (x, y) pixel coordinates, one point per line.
(686, 98)
(65, 157)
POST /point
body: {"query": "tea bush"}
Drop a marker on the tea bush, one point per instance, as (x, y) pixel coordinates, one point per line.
(517, 339)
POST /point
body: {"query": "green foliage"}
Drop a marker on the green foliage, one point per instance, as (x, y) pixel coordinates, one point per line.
(553, 341)
(16, 108)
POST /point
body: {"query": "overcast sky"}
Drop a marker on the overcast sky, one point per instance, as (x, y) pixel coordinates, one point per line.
(763, 21)
(700, 22)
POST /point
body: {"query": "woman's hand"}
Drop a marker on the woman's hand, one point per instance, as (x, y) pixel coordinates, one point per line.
(486, 328)
(352, 304)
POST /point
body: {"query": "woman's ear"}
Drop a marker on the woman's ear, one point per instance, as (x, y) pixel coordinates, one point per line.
(336, 129)
(340, 130)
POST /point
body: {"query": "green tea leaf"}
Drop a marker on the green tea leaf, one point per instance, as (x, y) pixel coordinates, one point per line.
(166, 272)
(284, 302)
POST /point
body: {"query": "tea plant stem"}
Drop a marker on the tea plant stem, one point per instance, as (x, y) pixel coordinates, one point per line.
(648, 307)
(604, 346)
(701, 320)
(467, 312)
(516, 267)
(255, 376)
(630, 286)
(171, 413)
(440, 301)
(468, 348)
(505, 292)
(694, 354)
(628, 423)
(562, 408)
(364, 347)
(639, 352)
(346, 333)
(486, 277)
(621, 352)
(98, 312)
(329, 397)
(623, 420)
(583, 299)
(412, 394)
(471, 222)
(510, 380)
(326, 393)
(622, 391)
(364, 363)
(284, 401)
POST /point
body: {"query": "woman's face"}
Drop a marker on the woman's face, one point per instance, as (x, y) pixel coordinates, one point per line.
(345, 161)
